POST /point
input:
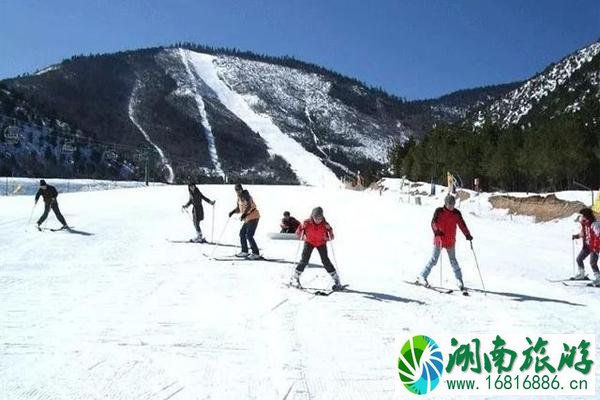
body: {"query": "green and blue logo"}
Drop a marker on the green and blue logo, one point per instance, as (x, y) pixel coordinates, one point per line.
(420, 364)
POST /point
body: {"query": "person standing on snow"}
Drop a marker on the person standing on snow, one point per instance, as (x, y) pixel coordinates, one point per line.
(195, 201)
(444, 222)
(250, 217)
(590, 244)
(49, 194)
(289, 224)
(316, 232)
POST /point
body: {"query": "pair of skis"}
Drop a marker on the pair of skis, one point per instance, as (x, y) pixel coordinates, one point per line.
(574, 282)
(439, 289)
(64, 228)
(317, 291)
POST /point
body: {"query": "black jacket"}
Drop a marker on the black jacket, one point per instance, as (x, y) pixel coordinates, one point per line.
(196, 198)
(49, 195)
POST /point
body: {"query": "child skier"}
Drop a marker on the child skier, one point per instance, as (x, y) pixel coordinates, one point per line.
(289, 224)
(590, 235)
(444, 222)
(316, 232)
(49, 194)
(195, 201)
(250, 216)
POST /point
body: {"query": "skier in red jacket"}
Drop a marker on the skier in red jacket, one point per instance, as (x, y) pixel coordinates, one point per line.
(590, 245)
(444, 222)
(316, 232)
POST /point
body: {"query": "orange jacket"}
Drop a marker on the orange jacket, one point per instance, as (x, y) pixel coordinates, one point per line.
(247, 207)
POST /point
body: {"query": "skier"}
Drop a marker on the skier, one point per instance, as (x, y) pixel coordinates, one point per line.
(289, 224)
(444, 222)
(590, 244)
(195, 201)
(250, 216)
(316, 232)
(49, 194)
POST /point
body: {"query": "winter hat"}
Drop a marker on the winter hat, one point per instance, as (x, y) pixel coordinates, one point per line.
(238, 187)
(449, 200)
(286, 213)
(588, 214)
(42, 182)
(317, 212)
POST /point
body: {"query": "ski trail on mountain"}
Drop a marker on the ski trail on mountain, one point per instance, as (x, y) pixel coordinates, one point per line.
(133, 100)
(308, 168)
(191, 88)
(320, 148)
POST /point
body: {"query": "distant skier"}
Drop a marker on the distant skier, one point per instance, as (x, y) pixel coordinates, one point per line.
(250, 216)
(195, 201)
(444, 222)
(289, 224)
(590, 235)
(49, 194)
(316, 232)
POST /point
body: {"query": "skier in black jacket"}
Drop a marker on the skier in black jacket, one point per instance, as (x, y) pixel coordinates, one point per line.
(195, 200)
(49, 194)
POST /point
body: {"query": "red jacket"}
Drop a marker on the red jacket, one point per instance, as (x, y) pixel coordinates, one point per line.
(444, 224)
(590, 233)
(315, 234)
(595, 232)
(586, 232)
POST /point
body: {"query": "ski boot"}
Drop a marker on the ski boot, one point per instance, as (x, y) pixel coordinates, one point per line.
(295, 279)
(421, 280)
(336, 281)
(580, 276)
(242, 254)
(254, 256)
(596, 281)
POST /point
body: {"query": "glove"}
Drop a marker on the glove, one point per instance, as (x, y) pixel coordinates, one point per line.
(184, 207)
(575, 237)
(438, 233)
(213, 202)
(242, 217)
(469, 237)
(231, 213)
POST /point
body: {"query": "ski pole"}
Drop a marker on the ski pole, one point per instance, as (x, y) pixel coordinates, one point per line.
(31, 215)
(573, 256)
(212, 226)
(220, 237)
(337, 266)
(441, 265)
(478, 270)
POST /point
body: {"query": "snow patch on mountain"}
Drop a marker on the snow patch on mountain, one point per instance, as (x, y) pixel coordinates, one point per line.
(308, 168)
(189, 86)
(133, 101)
(289, 96)
(514, 106)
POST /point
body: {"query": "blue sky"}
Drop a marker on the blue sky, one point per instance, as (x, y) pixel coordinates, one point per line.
(414, 49)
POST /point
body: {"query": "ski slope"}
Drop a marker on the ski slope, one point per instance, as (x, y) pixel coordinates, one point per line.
(119, 312)
(308, 168)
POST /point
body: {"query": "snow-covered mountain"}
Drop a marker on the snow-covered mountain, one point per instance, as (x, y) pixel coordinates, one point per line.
(564, 87)
(187, 111)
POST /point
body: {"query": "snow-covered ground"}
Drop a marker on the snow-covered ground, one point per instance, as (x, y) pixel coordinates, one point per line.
(119, 312)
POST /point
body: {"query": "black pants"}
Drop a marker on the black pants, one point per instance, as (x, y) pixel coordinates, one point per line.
(197, 216)
(247, 235)
(287, 230)
(308, 249)
(585, 251)
(54, 207)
